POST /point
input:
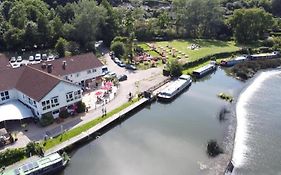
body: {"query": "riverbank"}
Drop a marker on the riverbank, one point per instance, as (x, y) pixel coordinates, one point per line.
(248, 69)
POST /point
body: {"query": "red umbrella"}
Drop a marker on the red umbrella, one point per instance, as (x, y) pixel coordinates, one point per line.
(98, 93)
(108, 83)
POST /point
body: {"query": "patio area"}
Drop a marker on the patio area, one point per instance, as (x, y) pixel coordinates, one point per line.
(100, 97)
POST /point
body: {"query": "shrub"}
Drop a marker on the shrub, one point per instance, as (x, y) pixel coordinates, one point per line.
(64, 113)
(118, 48)
(213, 148)
(11, 156)
(46, 119)
(33, 149)
(81, 107)
(175, 68)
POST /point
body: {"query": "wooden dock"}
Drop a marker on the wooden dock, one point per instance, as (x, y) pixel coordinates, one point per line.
(96, 128)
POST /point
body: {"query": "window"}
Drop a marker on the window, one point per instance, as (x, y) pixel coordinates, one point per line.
(94, 70)
(77, 75)
(89, 71)
(77, 94)
(69, 96)
(55, 101)
(46, 104)
(5, 95)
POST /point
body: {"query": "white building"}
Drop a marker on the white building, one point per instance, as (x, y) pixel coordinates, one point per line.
(45, 88)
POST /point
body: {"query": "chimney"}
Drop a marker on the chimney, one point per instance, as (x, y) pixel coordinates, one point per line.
(43, 66)
(64, 65)
(50, 68)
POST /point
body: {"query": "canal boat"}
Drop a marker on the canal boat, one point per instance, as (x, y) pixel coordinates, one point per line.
(175, 88)
(272, 55)
(199, 73)
(46, 165)
(229, 63)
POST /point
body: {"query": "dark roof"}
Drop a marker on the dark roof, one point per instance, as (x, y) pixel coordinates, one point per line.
(35, 83)
(74, 64)
(9, 78)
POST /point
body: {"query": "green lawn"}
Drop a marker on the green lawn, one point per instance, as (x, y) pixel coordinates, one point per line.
(207, 47)
(74, 132)
(144, 46)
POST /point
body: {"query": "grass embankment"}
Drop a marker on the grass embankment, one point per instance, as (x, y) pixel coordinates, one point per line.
(78, 130)
(246, 70)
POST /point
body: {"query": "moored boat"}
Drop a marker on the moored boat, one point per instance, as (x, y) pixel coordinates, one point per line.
(46, 165)
(199, 73)
(229, 63)
(175, 88)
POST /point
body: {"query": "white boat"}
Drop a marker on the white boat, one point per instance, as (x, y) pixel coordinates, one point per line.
(199, 73)
(50, 164)
(175, 88)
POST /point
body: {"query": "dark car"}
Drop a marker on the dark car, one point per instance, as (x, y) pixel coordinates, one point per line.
(131, 67)
(122, 77)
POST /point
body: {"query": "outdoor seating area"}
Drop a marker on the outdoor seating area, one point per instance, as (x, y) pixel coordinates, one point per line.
(168, 51)
(99, 97)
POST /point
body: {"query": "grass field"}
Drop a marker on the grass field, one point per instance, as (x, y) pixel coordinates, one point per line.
(207, 47)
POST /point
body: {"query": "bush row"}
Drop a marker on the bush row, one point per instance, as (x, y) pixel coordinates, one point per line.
(11, 156)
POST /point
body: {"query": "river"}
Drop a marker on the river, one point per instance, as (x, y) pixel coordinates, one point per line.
(162, 139)
(258, 137)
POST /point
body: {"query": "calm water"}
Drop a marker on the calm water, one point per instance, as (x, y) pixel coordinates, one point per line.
(161, 139)
(258, 138)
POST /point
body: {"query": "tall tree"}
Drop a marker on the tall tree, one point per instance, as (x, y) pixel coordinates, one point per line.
(250, 24)
(87, 20)
(198, 18)
(276, 7)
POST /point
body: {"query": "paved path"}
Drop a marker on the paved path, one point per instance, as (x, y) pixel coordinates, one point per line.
(138, 81)
(95, 128)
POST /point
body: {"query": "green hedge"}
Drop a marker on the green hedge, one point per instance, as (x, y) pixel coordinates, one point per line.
(47, 119)
(11, 156)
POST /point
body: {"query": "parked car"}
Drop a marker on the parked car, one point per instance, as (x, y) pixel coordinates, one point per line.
(131, 67)
(116, 60)
(121, 64)
(112, 74)
(44, 56)
(38, 57)
(122, 77)
(50, 58)
(13, 59)
(31, 58)
(19, 59)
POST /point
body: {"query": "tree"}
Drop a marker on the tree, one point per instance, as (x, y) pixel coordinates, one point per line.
(250, 24)
(61, 47)
(174, 68)
(31, 34)
(14, 38)
(276, 7)
(118, 48)
(86, 22)
(198, 18)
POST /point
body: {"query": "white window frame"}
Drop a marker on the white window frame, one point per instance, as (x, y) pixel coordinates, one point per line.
(46, 105)
(69, 96)
(77, 94)
(5, 95)
(55, 101)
